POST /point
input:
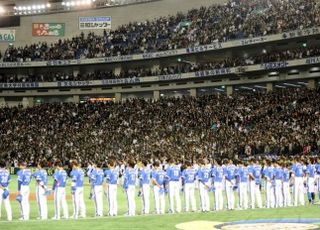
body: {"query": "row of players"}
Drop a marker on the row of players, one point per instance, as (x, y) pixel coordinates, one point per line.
(276, 178)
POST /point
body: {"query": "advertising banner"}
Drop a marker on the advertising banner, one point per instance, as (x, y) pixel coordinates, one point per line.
(95, 23)
(7, 35)
(48, 29)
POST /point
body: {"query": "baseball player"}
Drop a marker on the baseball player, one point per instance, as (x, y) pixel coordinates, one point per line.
(41, 178)
(59, 187)
(4, 192)
(189, 176)
(158, 180)
(204, 178)
(229, 174)
(217, 178)
(144, 182)
(129, 184)
(24, 179)
(112, 176)
(242, 175)
(173, 176)
(310, 181)
(254, 170)
(77, 179)
(96, 180)
(286, 186)
(318, 176)
(298, 189)
(268, 173)
(278, 177)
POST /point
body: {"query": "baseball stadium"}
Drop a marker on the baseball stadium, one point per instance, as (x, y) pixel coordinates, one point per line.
(159, 114)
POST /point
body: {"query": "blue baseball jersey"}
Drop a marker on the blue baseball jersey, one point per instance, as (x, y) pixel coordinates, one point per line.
(130, 177)
(96, 177)
(60, 179)
(243, 174)
(217, 174)
(268, 172)
(77, 177)
(278, 173)
(24, 176)
(159, 176)
(203, 174)
(229, 172)
(144, 176)
(257, 173)
(41, 177)
(297, 170)
(311, 170)
(286, 175)
(174, 173)
(318, 169)
(189, 175)
(112, 176)
(4, 178)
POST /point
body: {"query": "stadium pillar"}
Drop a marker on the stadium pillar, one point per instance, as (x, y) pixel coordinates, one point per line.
(229, 90)
(312, 84)
(76, 99)
(156, 95)
(27, 102)
(2, 102)
(193, 92)
(117, 97)
(269, 87)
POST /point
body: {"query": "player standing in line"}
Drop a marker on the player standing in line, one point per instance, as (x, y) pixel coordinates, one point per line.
(4, 192)
(77, 180)
(298, 188)
(217, 178)
(112, 176)
(129, 185)
(255, 183)
(318, 177)
(174, 175)
(242, 173)
(204, 177)
(229, 174)
(268, 174)
(278, 177)
(286, 186)
(96, 180)
(158, 180)
(24, 179)
(41, 177)
(144, 182)
(189, 177)
(90, 168)
(59, 187)
(310, 181)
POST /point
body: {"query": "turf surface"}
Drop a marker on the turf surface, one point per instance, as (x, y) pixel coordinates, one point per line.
(167, 221)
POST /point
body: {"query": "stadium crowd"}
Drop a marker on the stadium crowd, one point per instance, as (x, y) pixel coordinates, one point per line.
(235, 20)
(283, 122)
(182, 67)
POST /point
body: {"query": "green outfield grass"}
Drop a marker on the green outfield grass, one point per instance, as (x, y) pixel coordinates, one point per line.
(167, 221)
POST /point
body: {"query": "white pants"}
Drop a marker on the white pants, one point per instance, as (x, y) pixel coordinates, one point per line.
(7, 205)
(243, 195)
(78, 203)
(255, 194)
(159, 200)
(25, 205)
(174, 187)
(230, 195)
(204, 196)
(286, 194)
(60, 200)
(131, 200)
(42, 202)
(145, 198)
(98, 199)
(189, 197)
(269, 195)
(278, 194)
(112, 199)
(218, 198)
(298, 191)
(310, 184)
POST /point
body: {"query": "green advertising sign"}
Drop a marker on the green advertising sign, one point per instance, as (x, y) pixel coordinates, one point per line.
(7, 35)
(48, 29)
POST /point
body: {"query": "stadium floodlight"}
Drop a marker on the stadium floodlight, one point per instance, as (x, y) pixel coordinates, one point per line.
(29, 8)
(2, 10)
(43, 6)
(48, 5)
(63, 3)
